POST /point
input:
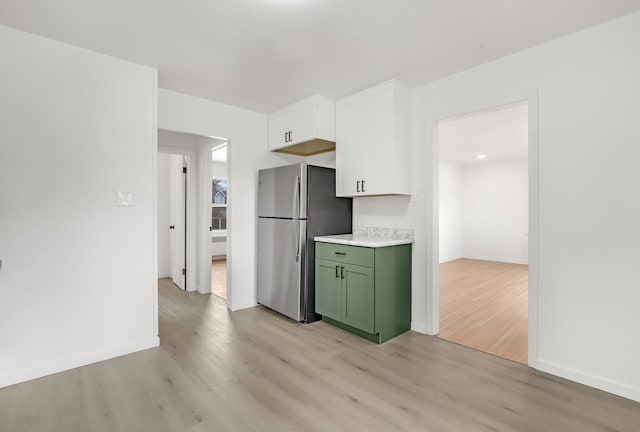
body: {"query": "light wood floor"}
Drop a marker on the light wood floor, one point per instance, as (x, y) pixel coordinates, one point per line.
(219, 278)
(483, 305)
(254, 370)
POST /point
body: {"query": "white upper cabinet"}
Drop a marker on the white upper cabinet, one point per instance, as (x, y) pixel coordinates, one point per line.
(372, 145)
(305, 128)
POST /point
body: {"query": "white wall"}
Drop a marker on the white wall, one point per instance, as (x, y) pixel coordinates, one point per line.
(218, 169)
(77, 283)
(450, 208)
(247, 132)
(164, 173)
(589, 100)
(495, 210)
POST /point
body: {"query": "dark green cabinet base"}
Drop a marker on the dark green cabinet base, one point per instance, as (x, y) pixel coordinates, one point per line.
(369, 336)
(365, 291)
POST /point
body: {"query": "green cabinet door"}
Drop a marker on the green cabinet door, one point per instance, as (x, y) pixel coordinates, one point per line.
(358, 297)
(328, 289)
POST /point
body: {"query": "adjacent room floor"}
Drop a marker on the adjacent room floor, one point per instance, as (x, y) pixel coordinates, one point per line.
(483, 305)
(254, 370)
(219, 278)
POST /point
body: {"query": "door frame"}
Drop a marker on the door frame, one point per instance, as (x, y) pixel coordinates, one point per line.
(206, 175)
(199, 212)
(432, 203)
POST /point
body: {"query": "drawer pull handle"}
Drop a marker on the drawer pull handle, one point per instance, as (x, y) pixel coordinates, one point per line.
(337, 274)
(341, 272)
(341, 253)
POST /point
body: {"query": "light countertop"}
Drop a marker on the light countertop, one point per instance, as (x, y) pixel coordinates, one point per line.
(371, 237)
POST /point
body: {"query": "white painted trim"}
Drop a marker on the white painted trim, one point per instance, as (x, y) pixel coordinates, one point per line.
(496, 259)
(595, 381)
(230, 151)
(204, 207)
(534, 231)
(419, 327)
(163, 275)
(432, 223)
(450, 259)
(245, 305)
(154, 199)
(78, 360)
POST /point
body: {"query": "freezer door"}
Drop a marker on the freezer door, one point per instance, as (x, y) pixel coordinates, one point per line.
(281, 244)
(282, 192)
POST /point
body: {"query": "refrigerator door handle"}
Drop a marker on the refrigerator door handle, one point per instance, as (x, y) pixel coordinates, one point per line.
(296, 198)
(298, 235)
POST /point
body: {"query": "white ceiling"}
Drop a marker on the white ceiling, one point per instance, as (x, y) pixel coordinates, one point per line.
(500, 133)
(264, 54)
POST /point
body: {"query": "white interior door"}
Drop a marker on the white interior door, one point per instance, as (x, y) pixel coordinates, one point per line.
(177, 204)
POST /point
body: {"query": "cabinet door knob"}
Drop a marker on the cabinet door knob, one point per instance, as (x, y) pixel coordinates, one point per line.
(358, 186)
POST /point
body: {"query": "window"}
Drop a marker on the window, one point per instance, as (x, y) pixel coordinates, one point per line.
(219, 205)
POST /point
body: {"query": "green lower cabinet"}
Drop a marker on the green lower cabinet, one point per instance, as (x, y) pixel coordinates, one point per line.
(329, 298)
(358, 297)
(371, 300)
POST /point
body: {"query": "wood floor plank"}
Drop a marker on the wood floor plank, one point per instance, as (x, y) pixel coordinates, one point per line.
(483, 305)
(255, 370)
(219, 278)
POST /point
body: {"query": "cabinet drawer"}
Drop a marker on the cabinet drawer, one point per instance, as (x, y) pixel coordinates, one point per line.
(361, 256)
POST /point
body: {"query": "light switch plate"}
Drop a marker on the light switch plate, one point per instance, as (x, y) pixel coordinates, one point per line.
(124, 198)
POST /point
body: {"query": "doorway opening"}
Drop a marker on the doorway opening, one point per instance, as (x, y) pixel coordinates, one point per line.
(188, 235)
(483, 230)
(219, 210)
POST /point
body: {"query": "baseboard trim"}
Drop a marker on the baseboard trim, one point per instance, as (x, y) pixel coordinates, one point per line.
(496, 259)
(595, 381)
(164, 275)
(419, 327)
(446, 260)
(63, 364)
(236, 306)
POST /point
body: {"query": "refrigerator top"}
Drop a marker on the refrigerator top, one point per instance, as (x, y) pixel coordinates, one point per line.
(282, 192)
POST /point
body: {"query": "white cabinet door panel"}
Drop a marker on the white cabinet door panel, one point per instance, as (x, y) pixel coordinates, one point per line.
(304, 121)
(279, 124)
(378, 140)
(348, 146)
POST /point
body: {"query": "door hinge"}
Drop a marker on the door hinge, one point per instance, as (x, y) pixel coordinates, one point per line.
(184, 170)
(184, 272)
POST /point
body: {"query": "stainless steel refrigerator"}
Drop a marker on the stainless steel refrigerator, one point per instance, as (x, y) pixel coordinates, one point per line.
(295, 204)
